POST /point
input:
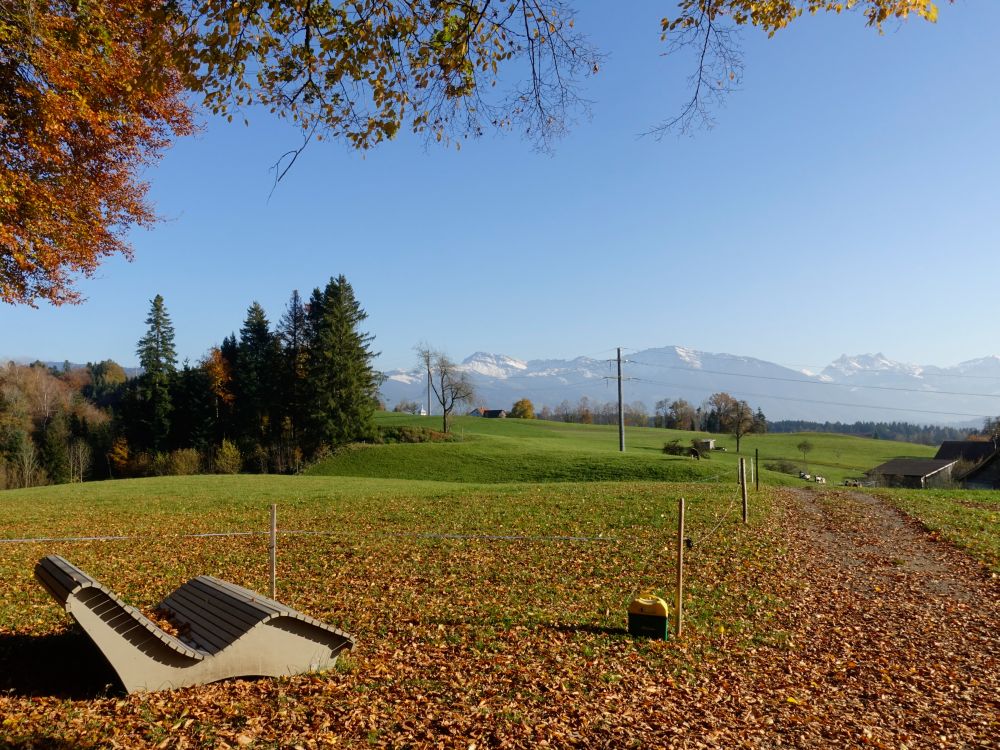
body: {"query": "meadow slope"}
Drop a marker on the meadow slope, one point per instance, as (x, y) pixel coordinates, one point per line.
(513, 450)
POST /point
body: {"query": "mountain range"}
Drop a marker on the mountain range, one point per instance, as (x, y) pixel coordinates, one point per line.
(865, 387)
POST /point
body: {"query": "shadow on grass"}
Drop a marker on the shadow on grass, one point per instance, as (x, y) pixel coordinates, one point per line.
(59, 665)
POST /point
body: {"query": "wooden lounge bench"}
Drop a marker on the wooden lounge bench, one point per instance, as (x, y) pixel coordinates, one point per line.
(223, 631)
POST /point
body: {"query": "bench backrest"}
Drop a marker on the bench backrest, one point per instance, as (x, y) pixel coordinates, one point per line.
(64, 581)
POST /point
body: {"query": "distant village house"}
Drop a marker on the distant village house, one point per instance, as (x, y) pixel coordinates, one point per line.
(488, 413)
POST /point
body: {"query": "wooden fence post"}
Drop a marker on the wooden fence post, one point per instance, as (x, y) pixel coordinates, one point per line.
(274, 550)
(680, 567)
(756, 468)
(743, 486)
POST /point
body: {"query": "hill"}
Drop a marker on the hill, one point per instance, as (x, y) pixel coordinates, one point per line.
(514, 450)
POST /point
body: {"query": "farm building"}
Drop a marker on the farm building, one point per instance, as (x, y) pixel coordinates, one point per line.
(488, 413)
(704, 444)
(966, 450)
(914, 473)
(983, 476)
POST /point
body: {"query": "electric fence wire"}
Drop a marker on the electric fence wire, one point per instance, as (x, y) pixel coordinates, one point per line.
(291, 532)
(705, 537)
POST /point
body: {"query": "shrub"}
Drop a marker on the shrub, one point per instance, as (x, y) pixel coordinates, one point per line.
(228, 459)
(674, 448)
(784, 466)
(119, 456)
(139, 465)
(159, 465)
(184, 462)
(409, 434)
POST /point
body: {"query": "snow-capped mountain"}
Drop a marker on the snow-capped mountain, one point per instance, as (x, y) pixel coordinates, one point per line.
(868, 387)
(847, 366)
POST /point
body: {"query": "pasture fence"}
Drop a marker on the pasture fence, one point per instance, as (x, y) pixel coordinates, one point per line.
(274, 532)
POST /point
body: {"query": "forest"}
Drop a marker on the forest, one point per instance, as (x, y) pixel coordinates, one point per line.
(266, 400)
(904, 431)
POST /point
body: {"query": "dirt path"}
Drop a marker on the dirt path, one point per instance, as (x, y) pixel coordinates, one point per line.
(893, 637)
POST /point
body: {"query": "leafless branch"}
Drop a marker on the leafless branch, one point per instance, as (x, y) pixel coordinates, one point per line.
(718, 73)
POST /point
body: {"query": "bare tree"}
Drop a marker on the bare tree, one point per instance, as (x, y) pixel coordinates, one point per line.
(26, 460)
(80, 459)
(450, 384)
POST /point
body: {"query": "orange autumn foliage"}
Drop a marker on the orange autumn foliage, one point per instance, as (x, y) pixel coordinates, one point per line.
(87, 100)
(92, 92)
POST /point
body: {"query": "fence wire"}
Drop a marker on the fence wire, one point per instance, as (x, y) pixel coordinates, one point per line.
(303, 532)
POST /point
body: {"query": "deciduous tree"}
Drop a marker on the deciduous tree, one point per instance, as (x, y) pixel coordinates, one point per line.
(804, 447)
(451, 385)
(522, 409)
(88, 99)
(682, 415)
(91, 93)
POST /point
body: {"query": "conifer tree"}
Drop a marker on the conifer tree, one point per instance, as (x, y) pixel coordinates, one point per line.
(294, 370)
(254, 375)
(158, 359)
(343, 385)
(193, 422)
(55, 448)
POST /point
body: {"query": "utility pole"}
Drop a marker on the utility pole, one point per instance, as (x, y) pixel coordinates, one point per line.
(621, 411)
(428, 387)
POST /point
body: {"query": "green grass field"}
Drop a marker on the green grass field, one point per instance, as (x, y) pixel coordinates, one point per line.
(967, 518)
(485, 579)
(515, 450)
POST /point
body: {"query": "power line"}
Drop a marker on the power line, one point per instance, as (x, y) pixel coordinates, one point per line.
(825, 403)
(923, 373)
(816, 382)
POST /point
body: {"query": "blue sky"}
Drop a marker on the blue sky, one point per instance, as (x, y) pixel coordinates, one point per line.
(845, 202)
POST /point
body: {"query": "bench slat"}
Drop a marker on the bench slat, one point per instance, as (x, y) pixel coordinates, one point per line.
(187, 598)
(241, 608)
(203, 627)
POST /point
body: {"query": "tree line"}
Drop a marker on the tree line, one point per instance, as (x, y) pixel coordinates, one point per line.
(719, 413)
(901, 431)
(267, 399)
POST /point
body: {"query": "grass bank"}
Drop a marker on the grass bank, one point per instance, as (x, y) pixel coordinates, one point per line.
(515, 450)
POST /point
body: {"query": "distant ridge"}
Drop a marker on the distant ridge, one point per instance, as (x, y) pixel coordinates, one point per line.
(862, 387)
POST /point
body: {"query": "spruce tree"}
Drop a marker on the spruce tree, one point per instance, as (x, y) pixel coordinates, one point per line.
(158, 359)
(343, 385)
(55, 448)
(254, 376)
(193, 422)
(294, 370)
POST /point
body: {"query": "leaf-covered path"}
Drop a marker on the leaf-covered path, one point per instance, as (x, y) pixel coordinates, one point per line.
(893, 638)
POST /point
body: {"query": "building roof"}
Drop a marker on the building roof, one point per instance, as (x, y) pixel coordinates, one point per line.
(913, 467)
(981, 466)
(966, 450)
